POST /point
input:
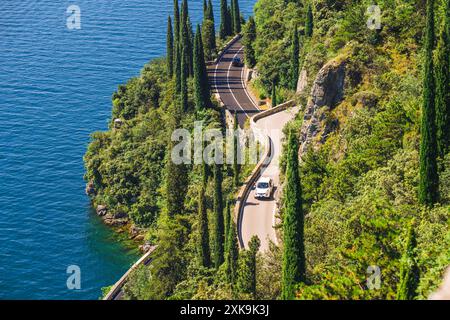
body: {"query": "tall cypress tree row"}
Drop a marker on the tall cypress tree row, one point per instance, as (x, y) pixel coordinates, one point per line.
(293, 223)
(186, 36)
(442, 67)
(223, 31)
(169, 50)
(201, 84)
(249, 39)
(246, 277)
(309, 24)
(236, 166)
(232, 250)
(409, 271)
(429, 180)
(183, 80)
(294, 59)
(218, 217)
(203, 245)
(176, 21)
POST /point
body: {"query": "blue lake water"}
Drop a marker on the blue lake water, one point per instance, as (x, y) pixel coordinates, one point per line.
(55, 89)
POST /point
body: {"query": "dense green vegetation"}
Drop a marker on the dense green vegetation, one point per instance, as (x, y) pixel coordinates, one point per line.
(375, 192)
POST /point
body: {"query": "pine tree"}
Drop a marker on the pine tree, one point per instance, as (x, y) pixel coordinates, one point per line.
(274, 94)
(223, 31)
(183, 80)
(218, 214)
(201, 84)
(169, 51)
(309, 24)
(236, 16)
(246, 277)
(409, 271)
(294, 59)
(232, 250)
(203, 246)
(293, 223)
(429, 180)
(236, 165)
(249, 39)
(442, 67)
(176, 21)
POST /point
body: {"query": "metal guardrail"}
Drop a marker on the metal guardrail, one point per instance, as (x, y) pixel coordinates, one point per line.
(117, 287)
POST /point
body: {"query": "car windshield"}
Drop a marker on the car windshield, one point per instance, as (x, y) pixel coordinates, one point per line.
(262, 185)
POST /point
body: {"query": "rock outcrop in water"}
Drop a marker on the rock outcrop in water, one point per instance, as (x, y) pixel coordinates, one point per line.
(327, 91)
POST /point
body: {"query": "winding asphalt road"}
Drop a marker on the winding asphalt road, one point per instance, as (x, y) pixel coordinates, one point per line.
(228, 81)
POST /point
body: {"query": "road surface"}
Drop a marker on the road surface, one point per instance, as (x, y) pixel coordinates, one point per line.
(259, 215)
(228, 81)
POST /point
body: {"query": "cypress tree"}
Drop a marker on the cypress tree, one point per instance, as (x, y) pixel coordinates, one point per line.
(218, 214)
(190, 47)
(236, 166)
(209, 28)
(246, 278)
(249, 39)
(223, 30)
(232, 250)
(274, 94)
(210, 12)
(201, 84)
(294, 59)
(293, 264)
(227, 219)
(442, 67)
(309, 24)
(203, 246)
(176, 21)
(183, 81)
(429, 180)
(205, 8)
(236, 16)
(169, 51)
(176, 176)
(229, 21)
(178, 57)
(409, 271)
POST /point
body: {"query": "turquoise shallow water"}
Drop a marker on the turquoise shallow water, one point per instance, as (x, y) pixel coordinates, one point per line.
(55, 89)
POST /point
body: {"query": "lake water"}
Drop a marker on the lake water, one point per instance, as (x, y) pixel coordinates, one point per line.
(55, 89)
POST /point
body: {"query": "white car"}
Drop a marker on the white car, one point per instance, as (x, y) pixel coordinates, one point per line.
(264, 188)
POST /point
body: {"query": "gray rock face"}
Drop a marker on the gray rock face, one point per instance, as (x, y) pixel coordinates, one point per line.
(327, 91)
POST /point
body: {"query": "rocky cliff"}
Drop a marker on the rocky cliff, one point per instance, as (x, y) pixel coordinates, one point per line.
(327, 91)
